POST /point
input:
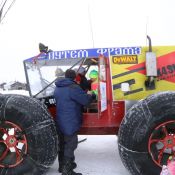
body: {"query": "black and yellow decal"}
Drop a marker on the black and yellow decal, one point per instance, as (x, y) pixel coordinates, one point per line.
(125, 59)
(135, 74)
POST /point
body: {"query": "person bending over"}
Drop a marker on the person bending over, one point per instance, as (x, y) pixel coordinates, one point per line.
(70, 98)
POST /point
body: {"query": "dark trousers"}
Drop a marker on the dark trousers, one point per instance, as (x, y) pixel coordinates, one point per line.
(67, 146)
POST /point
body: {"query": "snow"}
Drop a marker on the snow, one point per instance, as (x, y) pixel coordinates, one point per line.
(96, 156)
(21, 92)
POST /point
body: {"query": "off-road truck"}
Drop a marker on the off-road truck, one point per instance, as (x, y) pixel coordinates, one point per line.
(136, 101)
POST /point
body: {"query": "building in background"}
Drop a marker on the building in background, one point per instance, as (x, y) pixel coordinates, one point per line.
(2, 86)
(15, 85)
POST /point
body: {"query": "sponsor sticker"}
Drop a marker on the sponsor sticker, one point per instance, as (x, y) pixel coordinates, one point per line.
(125, 59)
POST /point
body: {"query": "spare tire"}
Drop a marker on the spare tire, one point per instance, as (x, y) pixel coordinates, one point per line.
(146, 138)
(28, 137)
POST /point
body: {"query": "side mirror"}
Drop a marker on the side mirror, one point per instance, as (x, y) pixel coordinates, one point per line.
(43, 48)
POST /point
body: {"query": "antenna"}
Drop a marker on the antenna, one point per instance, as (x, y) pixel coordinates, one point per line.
(90, 22)
(147, 21)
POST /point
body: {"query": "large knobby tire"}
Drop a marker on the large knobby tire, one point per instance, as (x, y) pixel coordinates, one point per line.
(147, 134)
(28, 137)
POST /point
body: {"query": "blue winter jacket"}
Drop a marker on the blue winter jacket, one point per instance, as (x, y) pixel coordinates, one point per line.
(69, 100)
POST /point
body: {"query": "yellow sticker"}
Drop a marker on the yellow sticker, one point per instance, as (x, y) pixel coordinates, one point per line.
(125, 59)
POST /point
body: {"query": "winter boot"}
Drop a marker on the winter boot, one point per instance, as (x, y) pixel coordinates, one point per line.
(67, 168)
(60, 169)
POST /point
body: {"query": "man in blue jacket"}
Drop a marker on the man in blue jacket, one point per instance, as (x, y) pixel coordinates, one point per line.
(70, 99)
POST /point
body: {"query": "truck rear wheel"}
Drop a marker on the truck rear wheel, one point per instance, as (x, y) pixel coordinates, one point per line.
(28, 138)
(147, 134)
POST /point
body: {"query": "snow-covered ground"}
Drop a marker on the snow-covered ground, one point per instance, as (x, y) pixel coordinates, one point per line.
(98, 155)
(21, 92)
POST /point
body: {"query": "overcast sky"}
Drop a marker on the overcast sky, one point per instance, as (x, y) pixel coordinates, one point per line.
(76, 24)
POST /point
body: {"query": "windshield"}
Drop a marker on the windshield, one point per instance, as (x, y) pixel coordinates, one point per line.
(42, 74)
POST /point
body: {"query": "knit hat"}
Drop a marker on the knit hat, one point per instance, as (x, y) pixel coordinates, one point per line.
(93, 74)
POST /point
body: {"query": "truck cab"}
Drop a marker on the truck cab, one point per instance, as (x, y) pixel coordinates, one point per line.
(104, 115)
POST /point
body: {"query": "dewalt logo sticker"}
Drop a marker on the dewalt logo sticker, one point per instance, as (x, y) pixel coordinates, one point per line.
(125, 59)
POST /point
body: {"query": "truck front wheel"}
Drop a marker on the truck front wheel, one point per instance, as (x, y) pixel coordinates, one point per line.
(147, 134)
(28, 138)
